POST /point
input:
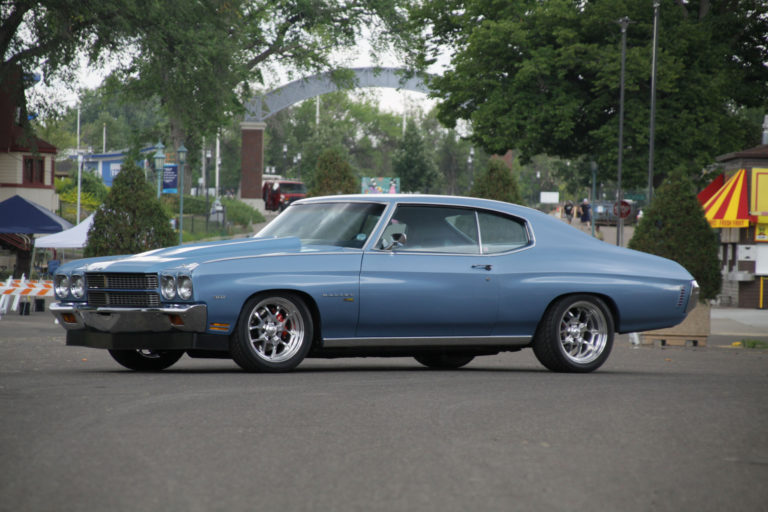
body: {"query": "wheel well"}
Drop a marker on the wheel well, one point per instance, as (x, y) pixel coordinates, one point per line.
(308, 300)
(605, 298)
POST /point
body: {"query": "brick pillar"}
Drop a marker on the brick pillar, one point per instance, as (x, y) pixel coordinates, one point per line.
(251, 159)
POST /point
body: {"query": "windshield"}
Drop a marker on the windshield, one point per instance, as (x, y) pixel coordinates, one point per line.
(342, 224)
(293, 188)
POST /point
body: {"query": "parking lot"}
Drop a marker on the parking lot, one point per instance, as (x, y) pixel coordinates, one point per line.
(654, 429)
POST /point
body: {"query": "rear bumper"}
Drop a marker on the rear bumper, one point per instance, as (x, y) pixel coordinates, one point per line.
(171, 318)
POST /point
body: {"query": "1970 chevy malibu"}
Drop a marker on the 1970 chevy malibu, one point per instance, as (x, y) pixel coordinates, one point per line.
(440, 279)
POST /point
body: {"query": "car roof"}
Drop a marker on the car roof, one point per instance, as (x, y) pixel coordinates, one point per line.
(554, 231)
(421, 199)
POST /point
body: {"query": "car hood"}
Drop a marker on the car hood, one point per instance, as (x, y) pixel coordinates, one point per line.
(185, 256)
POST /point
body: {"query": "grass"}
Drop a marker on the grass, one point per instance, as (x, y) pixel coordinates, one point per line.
(750, 343)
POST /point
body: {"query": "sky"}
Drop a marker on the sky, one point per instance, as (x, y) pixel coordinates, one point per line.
(390, 100)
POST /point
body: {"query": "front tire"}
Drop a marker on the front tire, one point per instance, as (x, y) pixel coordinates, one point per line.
(443, 361)
(146, 360)
(575, 335)
(274, 333)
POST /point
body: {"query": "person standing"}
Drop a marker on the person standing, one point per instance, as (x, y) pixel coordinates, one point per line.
(568, 211)
(586, 213)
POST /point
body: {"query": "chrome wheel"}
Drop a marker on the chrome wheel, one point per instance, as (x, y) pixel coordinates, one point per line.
(583, 332)
(274, 333)
(575, 334)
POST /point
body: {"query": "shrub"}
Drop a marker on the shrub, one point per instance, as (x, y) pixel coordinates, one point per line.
(674, 226)
(497, 182)
(334, 175)
(131, 220)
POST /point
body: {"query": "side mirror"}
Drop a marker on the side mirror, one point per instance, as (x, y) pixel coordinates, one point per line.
(398, 240)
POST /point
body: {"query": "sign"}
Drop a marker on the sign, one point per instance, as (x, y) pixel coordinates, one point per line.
(761, 233)
(549, 197)
(381, 185)
(170, 179)
(622, 211)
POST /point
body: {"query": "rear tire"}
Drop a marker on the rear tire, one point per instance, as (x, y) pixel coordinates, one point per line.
(274, 333)
(146, 360)
(575, 335)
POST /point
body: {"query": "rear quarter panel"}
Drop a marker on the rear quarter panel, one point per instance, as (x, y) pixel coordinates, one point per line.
(644, 291)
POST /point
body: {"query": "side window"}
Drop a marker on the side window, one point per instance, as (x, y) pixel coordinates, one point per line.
(432, 229)
(500, 233)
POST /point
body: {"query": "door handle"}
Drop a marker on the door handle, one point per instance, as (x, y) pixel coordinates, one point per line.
(482, 267)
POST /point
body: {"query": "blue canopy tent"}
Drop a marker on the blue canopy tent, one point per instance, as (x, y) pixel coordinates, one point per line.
(19, 215)
(19, 218)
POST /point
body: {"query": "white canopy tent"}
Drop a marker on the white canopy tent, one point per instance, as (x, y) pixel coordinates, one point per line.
(73, 238)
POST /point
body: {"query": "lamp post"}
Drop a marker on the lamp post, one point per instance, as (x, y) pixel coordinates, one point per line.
(593, 168)
(79, 179)
(159, 158)
(624, 22)
(297, 163)
(182, 152)
(652, 132)
(470, 158)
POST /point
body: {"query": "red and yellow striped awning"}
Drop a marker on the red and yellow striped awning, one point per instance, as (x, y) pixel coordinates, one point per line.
(729, 206)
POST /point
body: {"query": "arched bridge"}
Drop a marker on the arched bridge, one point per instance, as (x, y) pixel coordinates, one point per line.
(260, 108)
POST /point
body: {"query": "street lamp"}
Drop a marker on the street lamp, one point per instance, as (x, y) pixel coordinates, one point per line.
(624, 22)
(79, 179)
(159, 158)
(182, 152)
(471, 170)
(297, 163)
(652, 132)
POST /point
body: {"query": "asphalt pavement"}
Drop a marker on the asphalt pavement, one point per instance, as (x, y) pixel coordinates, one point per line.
(672, 429)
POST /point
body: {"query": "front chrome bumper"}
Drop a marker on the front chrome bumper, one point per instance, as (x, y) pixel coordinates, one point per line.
(170, 318)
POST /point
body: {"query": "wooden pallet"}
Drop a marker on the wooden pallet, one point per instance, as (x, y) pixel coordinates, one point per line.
(674, 340)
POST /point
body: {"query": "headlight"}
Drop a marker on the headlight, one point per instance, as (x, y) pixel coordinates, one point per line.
(77, 286)
(168, 287)
(184, 287)
(61, 285)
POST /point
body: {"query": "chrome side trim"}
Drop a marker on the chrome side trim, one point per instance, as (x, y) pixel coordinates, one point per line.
(110, 319)
(454, 341)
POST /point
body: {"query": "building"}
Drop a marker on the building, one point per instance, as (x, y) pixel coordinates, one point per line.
(27, 163)
(739, 209)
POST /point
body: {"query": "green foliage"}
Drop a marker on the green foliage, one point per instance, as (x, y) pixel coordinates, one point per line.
(543, 78)
(131, 220)
(92, 194)
(497, 182)
(240, 213)
(413, 164)
(674, 227)
(334, 175)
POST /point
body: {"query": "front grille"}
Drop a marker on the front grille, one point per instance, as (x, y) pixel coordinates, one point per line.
(120, 281)
(124, 299)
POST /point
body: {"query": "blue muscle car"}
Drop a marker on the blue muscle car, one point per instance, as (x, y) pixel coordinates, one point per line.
(440, 279)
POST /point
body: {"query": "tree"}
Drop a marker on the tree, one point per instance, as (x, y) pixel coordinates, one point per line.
(497, 182)
(674, 226)
(203, 61)
(412, 163)
(334, 175)
(543, 78)
(131, 219)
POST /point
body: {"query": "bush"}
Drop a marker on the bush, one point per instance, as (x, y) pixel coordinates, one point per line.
(131, 220)
(334, 175)
(674, 227)
(497, 182)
